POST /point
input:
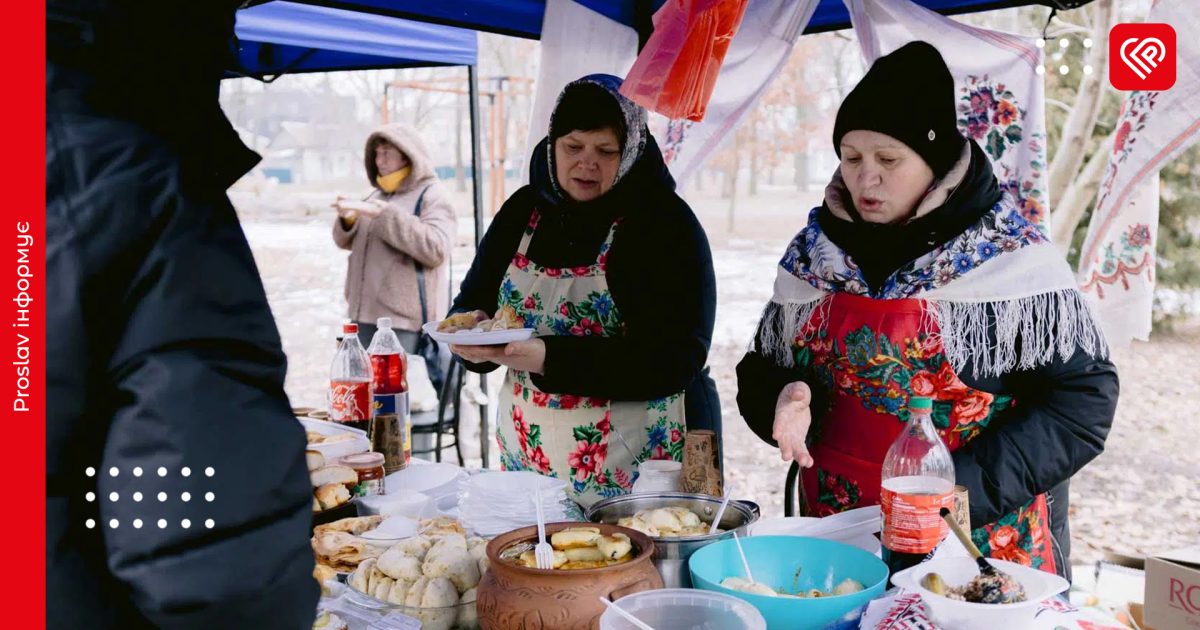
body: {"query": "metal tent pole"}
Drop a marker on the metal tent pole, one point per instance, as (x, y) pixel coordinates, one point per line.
(477, 195)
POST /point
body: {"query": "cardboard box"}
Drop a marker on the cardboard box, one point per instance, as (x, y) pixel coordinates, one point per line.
(1173, 590)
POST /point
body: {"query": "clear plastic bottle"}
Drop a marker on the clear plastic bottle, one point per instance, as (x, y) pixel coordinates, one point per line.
(350, 382)
(917, 482)
(392, 433)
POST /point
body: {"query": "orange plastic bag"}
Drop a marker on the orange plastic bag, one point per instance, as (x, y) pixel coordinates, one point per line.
(676, 71)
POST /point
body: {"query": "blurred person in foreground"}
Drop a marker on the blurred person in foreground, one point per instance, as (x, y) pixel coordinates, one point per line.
(165, 370)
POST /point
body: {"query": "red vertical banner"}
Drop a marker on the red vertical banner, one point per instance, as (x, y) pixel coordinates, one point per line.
(23, 232)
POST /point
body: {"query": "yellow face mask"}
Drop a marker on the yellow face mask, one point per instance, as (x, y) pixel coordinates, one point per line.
(389, 183)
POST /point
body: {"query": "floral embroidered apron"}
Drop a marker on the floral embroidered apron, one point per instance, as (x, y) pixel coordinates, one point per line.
(870, 354)
(568, 436)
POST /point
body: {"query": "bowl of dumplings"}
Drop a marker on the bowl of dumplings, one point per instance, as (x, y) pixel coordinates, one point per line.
(432, 576)
(678, 523)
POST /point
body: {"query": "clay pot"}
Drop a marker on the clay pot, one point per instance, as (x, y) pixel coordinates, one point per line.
(513, 597)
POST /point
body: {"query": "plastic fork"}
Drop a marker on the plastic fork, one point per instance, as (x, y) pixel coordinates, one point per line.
(627, 615)
(543, 553)
(716, 522)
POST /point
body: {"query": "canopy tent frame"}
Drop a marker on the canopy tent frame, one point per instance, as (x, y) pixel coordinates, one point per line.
(279, 35)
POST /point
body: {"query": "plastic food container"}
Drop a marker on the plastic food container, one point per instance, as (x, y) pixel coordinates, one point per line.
(793, 564)
(358, 442)
(954, 615)
(659, 475)
(685, 609)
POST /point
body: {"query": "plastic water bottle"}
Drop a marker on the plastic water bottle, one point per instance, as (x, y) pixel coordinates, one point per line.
(918, 481)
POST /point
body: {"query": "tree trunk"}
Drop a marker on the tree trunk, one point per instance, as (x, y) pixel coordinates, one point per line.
(1082, 120)
(1077, 197)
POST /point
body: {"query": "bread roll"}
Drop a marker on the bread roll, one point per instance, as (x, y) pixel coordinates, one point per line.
(315, 460)
(333, 474)
(332, 495)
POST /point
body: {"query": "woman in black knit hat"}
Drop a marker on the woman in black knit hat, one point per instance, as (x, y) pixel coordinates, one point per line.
(919, 277)
(622, 321)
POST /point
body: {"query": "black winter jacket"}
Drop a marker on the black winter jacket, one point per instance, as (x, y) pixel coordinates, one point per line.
(162, 352)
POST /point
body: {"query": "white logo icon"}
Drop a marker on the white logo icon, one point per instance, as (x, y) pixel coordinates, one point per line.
(1144, 57)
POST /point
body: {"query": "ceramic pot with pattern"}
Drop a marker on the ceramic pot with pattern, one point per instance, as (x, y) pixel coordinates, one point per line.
(513, 597)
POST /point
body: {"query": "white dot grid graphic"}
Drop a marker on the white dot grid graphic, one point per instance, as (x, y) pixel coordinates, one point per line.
(1041, 43)
(1040, 70)
(1064, 42)
(1087, 70)
(1063, 69)
(137, 471)
(1087, 42)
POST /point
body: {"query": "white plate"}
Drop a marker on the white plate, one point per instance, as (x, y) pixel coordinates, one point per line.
(471, 338)
(434, 480)
(336, 450)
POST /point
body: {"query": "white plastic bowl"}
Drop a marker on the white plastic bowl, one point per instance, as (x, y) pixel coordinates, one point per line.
(955, 615)
(434, 480)
(685, 609)
(397, 502)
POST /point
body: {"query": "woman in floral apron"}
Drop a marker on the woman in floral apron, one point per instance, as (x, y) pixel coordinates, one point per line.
(623, 322)
(918, 276)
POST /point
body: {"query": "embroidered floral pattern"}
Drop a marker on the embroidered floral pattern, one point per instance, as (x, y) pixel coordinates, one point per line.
(588, 471)
(990, 114)
(882, 375)
(1018, 537)
(837, 494)
(812, 257)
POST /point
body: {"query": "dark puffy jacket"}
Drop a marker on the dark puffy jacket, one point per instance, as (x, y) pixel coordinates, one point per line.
(1064, 408)
(162, 352)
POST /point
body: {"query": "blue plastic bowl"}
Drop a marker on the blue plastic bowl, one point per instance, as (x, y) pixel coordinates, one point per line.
(792, 564)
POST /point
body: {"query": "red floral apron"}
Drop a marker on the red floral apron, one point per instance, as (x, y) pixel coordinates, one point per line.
(564, 435)
(870, 355)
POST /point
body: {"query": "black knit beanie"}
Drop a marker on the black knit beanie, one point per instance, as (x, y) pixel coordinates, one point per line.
(908, 95)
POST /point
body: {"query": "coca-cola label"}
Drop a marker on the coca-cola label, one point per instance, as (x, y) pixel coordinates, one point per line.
(350, 401)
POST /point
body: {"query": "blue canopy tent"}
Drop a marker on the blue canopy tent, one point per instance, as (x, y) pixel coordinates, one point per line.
(287, 37)
(523, 18)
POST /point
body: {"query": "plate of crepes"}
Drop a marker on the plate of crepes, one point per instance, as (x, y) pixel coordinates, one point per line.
(476, 328)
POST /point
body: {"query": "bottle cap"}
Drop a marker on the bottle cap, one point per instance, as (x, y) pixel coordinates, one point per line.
(350, 328)
(923, 403)
(383, 322)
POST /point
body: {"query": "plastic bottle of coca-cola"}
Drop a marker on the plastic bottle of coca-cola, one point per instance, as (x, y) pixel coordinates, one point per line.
(350, 382)
(392, 432)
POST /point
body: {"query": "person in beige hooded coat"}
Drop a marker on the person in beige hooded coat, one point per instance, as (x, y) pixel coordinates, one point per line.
(387, 237)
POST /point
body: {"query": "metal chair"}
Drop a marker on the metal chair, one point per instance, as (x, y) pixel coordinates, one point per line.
(448, 419)
(793, 492)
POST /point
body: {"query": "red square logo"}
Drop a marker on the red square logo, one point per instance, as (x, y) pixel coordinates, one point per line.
(1141, 56)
